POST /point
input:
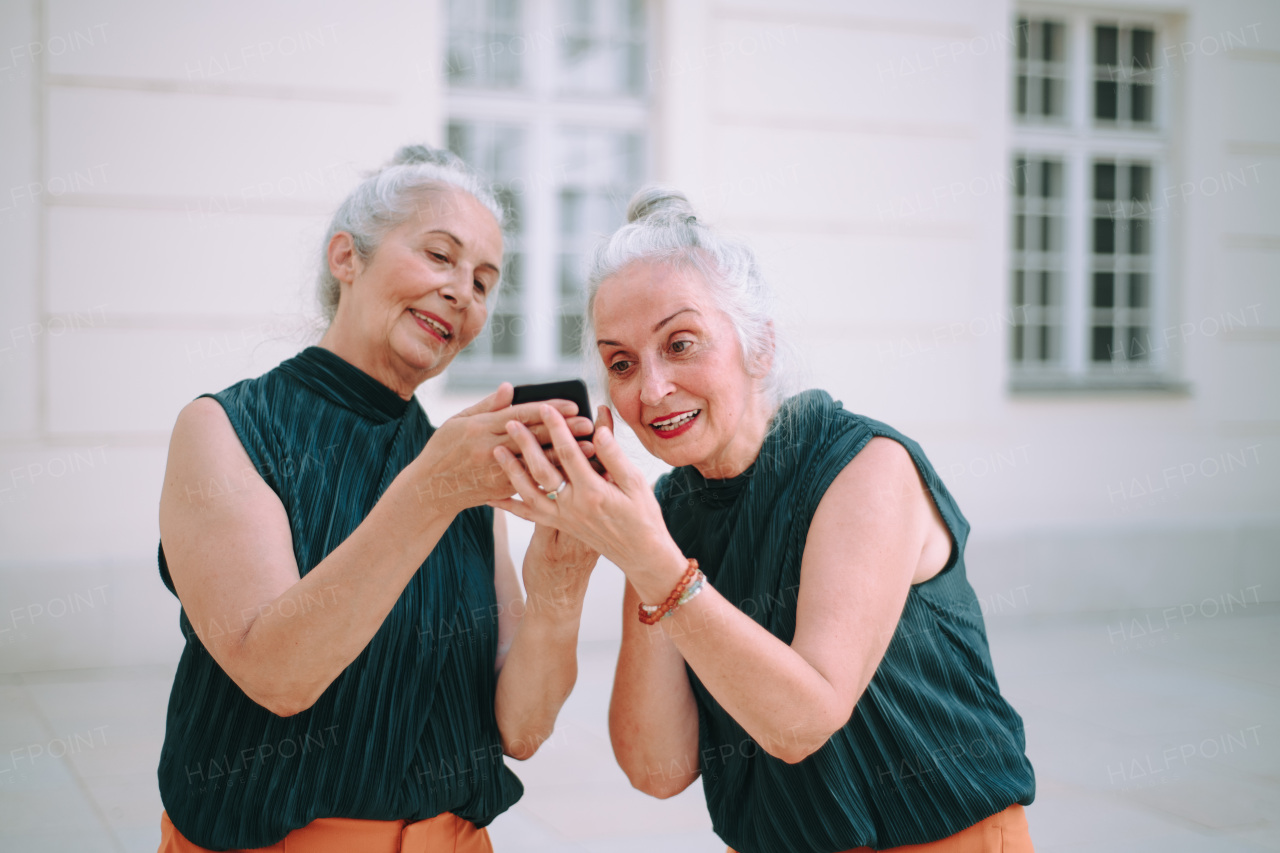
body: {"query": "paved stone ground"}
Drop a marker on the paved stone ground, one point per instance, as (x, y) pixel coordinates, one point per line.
(1149, 732)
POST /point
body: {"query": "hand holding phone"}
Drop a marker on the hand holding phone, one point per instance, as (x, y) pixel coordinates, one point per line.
(567, 389)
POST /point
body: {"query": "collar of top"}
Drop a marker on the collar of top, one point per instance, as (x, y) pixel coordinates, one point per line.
(345, 384)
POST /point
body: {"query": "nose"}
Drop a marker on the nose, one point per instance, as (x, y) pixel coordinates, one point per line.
(457, 291)
(654, 382)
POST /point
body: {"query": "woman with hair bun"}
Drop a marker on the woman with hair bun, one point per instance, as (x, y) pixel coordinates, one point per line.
(798, 629)
(359, 657)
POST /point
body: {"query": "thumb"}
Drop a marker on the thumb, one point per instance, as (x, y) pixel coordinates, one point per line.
(499, 399)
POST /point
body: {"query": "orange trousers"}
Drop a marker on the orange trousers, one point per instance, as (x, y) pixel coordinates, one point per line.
(445, 833)
(1003, 832)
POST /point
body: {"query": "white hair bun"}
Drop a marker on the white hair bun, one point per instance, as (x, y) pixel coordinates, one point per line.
(660, 203)
(413, 154)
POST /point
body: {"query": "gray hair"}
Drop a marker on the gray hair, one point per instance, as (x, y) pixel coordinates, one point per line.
(391, 195)
(663, 229)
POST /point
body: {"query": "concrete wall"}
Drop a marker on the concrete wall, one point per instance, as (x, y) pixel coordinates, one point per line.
(167, 172)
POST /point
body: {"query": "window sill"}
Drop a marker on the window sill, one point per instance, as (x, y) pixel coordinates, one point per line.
(1146, 384)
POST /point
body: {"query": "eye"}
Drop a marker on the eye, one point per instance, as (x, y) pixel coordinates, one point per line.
(438, 256)
(480, 287)
(620, 366)
(678, 347)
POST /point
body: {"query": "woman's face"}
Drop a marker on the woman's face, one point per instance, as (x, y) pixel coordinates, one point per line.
(675, 370)
(421, 298)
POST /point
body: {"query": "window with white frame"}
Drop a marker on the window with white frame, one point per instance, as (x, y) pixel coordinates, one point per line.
(549, 98)
(1090, 146)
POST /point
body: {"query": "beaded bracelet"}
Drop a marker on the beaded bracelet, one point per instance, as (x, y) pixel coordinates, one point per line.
(689, 586)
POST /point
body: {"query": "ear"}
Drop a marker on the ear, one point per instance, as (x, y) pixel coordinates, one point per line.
(762, 363)
(343, 260)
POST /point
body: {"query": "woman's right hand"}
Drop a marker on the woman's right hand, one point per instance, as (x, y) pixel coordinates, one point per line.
(615, 514)
(456, 469)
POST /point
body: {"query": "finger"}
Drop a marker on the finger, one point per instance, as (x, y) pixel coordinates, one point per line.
(519, 509)
(531, 413)
(588, 450)
(496, 401)
(535, 459)
(572, 460)
(604, 417)
(525, 485)
(578, 426)
(614, 459)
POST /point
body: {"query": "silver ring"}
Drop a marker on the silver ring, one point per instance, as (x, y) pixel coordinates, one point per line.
(555, 493)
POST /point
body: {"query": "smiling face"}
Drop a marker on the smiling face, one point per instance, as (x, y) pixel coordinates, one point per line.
(676, 372)
(408, 310)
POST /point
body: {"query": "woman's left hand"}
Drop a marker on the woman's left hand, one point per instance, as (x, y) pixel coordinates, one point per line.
(615, 514)
(557, 567)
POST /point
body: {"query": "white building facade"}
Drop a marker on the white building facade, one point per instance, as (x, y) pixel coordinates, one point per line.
(1041, 239)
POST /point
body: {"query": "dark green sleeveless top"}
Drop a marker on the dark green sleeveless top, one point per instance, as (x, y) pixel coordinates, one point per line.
(931, 749)
(407, 731)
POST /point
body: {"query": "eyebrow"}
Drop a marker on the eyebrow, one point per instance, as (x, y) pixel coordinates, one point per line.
(461, 245)
(603, 343)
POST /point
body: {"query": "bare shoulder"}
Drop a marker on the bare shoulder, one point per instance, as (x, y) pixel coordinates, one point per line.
(882, 470)
(203, 425)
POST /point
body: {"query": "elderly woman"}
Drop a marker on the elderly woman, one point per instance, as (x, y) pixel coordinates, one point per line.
(798, 628)
(358, 655)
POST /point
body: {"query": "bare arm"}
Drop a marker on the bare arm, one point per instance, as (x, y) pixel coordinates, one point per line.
(542, 666)
(874, 533)
(653, 718)
(281, 637)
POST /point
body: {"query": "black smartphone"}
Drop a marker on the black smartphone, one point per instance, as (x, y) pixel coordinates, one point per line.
(566, 389)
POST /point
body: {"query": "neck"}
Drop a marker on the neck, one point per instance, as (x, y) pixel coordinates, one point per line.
(358, 354)
(738, 455)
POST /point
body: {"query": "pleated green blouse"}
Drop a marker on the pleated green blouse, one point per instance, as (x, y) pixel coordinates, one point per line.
(407, 731)
(931, 748)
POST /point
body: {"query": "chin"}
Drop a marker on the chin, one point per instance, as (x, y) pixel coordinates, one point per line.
(676, 457)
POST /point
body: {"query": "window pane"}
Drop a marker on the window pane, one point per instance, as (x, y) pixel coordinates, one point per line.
(570, 335)
(1139, 237)
(1123, 75)
(601, 169)
(1106, 46)
(1142, 96)
(1139, 344)
(1106, 100)
(1051, 180)
(1144, 42)
(1102, 343)
(1103, 290)
(1052, 51)
(1119, 312)
(1104, 235)
(602, 47)
(1137, 290)
(498, 152)
(1139, 182)
(483, 44)
(1048, 344)
(1051, 99)
(1040, 71)
(1037, 241)
(1104, 181)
